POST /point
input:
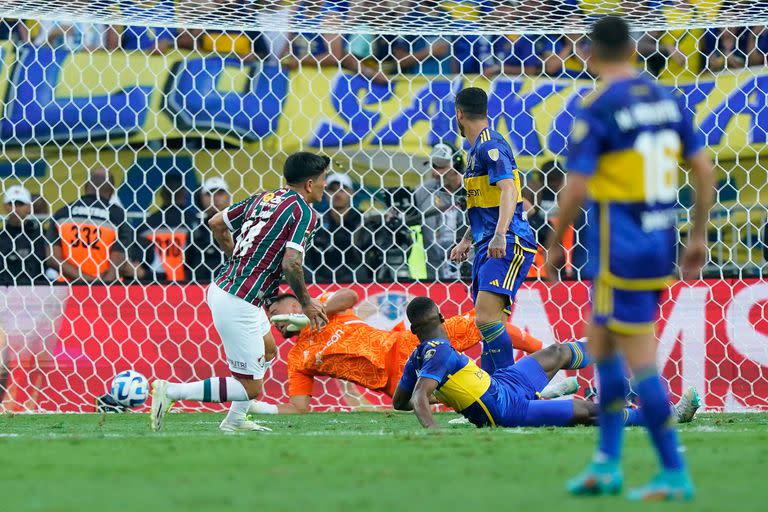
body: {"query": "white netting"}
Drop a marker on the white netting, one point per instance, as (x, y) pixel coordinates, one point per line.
(204, 117)
(433, 17)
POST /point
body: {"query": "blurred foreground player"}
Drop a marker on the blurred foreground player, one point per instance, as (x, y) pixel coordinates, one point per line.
(348, 348)
(507, 397)
(624, 151)
(263, 238)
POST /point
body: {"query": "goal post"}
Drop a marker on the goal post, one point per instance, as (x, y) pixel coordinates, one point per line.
(200, 103)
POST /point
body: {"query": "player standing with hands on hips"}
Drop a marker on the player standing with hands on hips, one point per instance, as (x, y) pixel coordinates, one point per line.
(624, 150)
(504, 242)
(263, 238)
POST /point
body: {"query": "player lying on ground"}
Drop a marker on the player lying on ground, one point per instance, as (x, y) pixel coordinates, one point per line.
(507, 396)
(348, 348)
(263, 238)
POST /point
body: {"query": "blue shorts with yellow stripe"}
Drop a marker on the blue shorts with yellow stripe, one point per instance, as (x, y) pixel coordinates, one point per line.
(501, 275)
(625, 311)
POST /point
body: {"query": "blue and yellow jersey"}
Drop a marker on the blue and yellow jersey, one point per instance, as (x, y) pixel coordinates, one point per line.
(461, 384)
(629, 137)
(490, 161)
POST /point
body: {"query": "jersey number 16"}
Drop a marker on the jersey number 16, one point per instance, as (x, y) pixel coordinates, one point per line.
(661, 157)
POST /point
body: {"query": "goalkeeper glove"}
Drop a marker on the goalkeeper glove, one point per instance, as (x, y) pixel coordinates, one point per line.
(295, 321)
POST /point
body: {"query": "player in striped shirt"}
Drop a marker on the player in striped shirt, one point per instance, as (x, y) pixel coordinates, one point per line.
(263, 238)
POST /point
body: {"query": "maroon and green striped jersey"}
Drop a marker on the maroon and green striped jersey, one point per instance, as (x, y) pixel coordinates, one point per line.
(262, 227)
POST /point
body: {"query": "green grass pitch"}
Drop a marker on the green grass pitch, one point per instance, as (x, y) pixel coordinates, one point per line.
(360, 462)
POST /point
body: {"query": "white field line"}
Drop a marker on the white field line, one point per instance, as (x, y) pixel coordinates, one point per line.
(214, 433)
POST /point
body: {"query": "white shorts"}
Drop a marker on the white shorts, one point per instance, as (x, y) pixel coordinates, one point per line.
(242, 327)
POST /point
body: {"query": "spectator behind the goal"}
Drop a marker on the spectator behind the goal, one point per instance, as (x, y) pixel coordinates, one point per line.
(74, 36)
(245, 45)
(312, 49)
(724, 49)
(153, 40)
(14, 30)
(439, 205)
(90, 236)
(420, 54)
(514, 54)
(680, 48)
(203, 256)
(334, 256)
(166, 233)
(564, 55)
(23, 248)
(756, 46)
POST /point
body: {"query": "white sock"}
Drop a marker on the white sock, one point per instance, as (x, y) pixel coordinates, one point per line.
(215, 389)
(237, 411)
(258, 407)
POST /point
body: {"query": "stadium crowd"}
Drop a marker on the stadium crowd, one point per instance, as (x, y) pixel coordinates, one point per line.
(666, 54)
(407, 239)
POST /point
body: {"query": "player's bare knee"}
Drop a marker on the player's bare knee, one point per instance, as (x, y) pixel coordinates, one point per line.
(270, 352)
(270, 347)
(252, 387)
(483, 317)
(562, 353)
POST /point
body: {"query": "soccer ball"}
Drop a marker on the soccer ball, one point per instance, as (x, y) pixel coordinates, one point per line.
(129, 389)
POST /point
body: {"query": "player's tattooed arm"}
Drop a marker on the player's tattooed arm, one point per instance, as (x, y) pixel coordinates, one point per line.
(221, 234)
(460, 252)
(507, 204)
(467, 236)
(420, 401)
(293, 268)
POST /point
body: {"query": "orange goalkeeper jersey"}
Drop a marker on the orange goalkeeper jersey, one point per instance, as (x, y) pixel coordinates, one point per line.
(348, 348)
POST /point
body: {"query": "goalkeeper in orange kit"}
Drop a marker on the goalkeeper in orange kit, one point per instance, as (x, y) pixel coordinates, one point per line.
(348, 348)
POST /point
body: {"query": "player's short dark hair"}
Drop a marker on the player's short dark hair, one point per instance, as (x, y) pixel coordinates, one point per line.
(610, 38)
(281, 297)
(473, 102)
(420, 308)
(303, 165)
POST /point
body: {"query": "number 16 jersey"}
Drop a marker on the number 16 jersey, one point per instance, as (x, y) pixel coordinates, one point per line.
(629, 137)
(262, 227)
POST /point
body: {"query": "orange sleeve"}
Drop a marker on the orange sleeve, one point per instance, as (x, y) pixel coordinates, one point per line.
(522, 340)
(464, 334)
(299, 383)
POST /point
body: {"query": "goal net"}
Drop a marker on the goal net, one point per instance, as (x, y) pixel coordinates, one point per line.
(170, 110)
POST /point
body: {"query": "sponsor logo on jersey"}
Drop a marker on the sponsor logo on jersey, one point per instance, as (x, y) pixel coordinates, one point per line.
(240, 365)
(333, 339)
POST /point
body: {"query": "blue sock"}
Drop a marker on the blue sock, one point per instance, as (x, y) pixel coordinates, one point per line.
(498, 351)
(634, 418)
(612, 390)
(579, 355)
(658, 417)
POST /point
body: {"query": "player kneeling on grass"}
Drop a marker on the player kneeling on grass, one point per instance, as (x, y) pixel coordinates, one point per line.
(507, 397)
(347, 348)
